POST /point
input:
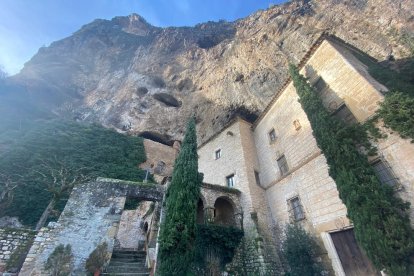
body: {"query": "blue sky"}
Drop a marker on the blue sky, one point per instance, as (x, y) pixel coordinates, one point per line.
(27, 25)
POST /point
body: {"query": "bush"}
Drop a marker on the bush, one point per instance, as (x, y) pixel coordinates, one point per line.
(60, 262)
(300, 250)
(97, 258)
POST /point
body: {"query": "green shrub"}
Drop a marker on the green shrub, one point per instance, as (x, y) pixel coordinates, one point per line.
(300, 252)
(60, 262)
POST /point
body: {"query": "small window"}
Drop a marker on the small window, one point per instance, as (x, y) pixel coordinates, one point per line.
(230, 181)
(343, 113)
(283, 165)
(272, 135)
(217, 154)
(296, 209)
(256, 176)
(384, 173)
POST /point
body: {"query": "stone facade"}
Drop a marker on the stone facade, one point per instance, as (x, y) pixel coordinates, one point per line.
(257, 175)
(160, 159)
(91, 217)
(14, 245)
(280, 149)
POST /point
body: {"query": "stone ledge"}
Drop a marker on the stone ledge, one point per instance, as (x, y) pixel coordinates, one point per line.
(220, 188)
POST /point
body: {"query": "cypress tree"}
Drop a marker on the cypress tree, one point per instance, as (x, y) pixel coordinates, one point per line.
(178, 231)
(381, 223)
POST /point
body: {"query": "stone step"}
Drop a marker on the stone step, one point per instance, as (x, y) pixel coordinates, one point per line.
(126, 269)
(127, 262)
(137, 265)
(129, 254)
(125, 274)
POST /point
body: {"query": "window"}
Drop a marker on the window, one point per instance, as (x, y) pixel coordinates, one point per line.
(295, 209)
(343, 113)
(230, 181)
(272, 135)
(256, 176)
(283, 165)
(384, 173)
(217, 154)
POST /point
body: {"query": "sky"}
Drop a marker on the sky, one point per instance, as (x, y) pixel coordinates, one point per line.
(27, 25)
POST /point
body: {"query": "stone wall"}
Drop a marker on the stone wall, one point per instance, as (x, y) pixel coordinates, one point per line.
(160, 158)
(307, 176)
(349, 82)
(14, 245)
(345, 80)
(131, 233)
(91, 217)
(239, 158)
(233, 161)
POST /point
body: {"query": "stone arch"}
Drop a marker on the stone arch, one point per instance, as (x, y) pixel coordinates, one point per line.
(224, 211)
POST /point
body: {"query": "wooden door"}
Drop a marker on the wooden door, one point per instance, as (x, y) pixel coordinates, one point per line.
(354, 261)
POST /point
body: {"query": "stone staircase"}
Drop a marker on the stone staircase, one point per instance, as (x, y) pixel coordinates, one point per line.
(127, 263)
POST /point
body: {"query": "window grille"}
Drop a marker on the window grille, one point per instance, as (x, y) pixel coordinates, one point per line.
(296, 209)
(272, 135)
(385, 173)
(257, 177)
(283, 165)
(217, 154)
(230, 181)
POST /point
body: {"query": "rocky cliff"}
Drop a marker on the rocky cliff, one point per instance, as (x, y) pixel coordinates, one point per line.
(142, 79)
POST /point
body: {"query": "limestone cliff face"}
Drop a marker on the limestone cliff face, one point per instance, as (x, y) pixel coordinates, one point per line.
(127, 74)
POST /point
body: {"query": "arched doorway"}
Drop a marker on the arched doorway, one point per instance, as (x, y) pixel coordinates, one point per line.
(224, 212)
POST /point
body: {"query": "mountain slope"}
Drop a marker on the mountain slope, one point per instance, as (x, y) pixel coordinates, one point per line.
(127, 74)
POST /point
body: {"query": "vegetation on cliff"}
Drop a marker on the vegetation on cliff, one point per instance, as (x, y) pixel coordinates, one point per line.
(178, 231)
(40, 163)
(382, 225)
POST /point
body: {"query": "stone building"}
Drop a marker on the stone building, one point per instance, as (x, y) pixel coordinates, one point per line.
(283, 175)
(258, 175)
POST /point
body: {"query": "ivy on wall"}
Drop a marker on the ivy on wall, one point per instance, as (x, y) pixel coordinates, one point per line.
(215, 242)
(381, 223)
(397, 109)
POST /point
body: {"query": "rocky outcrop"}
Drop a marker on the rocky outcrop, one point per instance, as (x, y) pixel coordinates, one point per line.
(130, 75)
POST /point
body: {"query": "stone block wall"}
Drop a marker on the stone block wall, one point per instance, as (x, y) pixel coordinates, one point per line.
(238, 158)
(307, 176)
(160, 157)
(347, 80)
(14, 245)
(91, 217)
